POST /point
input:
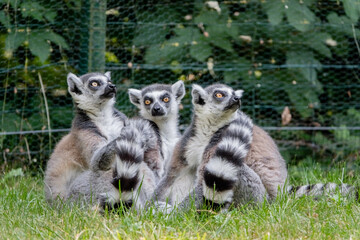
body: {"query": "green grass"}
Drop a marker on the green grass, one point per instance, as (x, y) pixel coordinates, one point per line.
(24, 214)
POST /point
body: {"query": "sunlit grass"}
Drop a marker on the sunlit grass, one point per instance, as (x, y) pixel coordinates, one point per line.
(24, 214)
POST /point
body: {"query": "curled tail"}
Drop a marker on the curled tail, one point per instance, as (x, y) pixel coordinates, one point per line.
(221, 172)
(324, 189)
(135, 140)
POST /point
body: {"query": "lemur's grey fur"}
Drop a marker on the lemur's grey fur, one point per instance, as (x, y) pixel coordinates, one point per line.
(125, 172)
(217, 149)
(96, 124)
(163, 114)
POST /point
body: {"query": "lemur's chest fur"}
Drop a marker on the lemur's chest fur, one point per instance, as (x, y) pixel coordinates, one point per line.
(108, 123)
(195, 149)
(167, 147)
(203, 132)
(169, 136)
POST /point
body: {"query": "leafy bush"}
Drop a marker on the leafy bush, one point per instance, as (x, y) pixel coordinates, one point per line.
(300, 54)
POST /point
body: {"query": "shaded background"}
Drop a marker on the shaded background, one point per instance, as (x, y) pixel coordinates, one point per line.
(298, 62)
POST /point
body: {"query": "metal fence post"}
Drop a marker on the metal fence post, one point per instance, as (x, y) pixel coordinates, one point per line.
(93, 38)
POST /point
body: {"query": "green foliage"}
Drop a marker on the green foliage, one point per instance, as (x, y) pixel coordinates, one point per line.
(33, 43)
(352, 9)
(216, 34)
(34, 38)
(279, 44)
(282, 53)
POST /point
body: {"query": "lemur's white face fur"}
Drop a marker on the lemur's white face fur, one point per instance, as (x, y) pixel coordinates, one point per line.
(91, 90)
(216, 100)
(158, 101)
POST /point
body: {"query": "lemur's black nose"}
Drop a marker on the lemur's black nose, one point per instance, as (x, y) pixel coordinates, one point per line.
(236, 98)
(156, 108)
(112, 86)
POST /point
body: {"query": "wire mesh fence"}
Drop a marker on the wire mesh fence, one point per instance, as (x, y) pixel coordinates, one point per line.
(297, 60)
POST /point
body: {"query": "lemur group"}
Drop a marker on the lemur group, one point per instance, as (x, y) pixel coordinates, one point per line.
(222, 159)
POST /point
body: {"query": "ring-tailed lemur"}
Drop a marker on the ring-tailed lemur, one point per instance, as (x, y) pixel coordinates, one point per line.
(95, 125)
(126, 177)
(222, 147)
(159, 103)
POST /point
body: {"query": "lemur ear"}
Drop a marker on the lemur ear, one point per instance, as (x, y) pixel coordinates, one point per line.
(178, 89)
(108, 75)
(74, 84)
(239, 93)
(135, 96)
(198, 94)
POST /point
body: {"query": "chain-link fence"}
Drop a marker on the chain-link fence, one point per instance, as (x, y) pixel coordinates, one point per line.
(297, 60)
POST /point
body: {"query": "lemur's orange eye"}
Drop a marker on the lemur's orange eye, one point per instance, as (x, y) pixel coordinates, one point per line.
(94, 84)
(147, 101)
(166, 99)
(219, 95)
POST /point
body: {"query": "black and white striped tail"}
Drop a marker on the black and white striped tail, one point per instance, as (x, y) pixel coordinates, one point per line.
(131, 146)
(324, 189)
(221, 172)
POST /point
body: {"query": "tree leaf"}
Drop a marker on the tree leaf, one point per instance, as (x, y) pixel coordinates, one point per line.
(352, 9)
(146, 34)
(342, 135)
(317, 41)
(242, 67)
(221, 41)
(4, 19)
(11, 122)
(164, 53)
(13, 3)
(50, 16)
(344, 22)
(275, 11)
(321, 139)
(14, 39)
(39, 46)
(302, 59)
(53, 37)
(301, 100)
(35, 10)
(32, 9)
(207, 17)
(299, 15)
(187, 35)
(150, 28)
(232, 31)
(200, 51)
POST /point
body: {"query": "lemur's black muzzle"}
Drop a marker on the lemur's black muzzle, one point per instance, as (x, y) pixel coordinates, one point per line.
(234, 103)
(157, 110)
(110, 91)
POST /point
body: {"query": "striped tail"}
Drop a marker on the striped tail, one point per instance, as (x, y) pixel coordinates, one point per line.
(134, 141)
(324, 189)
(221, 172)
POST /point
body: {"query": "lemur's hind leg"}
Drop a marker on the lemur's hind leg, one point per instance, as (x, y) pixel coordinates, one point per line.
(249, 187)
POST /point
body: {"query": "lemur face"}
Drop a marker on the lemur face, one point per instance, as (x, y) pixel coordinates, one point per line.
(91, 88)
(217, 99)
(158, 101)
